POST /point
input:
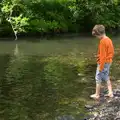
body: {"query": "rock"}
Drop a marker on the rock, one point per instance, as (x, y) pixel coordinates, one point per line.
(89, 106)
(81, 75)
(118, 113)
(117, 118)
(118, 81)
(117, 91)
(65, 117)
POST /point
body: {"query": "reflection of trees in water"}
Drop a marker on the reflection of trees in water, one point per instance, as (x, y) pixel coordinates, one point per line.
(4, 62)
(16, 50)
(37, 87)
(27, 89)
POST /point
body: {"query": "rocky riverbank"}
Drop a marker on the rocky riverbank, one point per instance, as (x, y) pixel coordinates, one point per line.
(109, 110)
(105, 109)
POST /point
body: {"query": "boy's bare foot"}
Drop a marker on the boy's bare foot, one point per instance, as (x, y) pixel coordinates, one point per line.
(109, 95)
(94, 96)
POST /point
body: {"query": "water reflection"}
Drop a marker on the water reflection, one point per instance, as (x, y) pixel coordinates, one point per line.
(16, 51)
(40, 87)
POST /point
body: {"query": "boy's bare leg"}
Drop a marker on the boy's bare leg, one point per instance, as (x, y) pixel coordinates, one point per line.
(98, 86)
(97, 93)
(109, 85)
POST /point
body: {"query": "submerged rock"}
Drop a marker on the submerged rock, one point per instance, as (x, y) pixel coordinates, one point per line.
(65, 117)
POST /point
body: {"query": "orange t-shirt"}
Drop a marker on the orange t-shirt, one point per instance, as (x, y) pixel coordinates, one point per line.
(105, 52)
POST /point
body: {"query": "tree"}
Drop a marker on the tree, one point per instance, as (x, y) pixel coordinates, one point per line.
(12, 11)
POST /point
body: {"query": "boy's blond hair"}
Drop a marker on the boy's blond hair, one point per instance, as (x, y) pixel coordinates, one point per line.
(98, 30)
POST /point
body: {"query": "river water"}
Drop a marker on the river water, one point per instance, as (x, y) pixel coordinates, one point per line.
(47, 79)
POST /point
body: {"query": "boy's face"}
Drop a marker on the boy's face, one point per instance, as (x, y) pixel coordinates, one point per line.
(94, 33)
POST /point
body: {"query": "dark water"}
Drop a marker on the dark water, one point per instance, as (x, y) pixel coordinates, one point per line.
(46, 80)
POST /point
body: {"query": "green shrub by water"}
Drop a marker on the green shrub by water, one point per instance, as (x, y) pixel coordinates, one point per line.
(58, 16)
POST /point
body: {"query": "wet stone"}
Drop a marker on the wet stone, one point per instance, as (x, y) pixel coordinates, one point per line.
(65, 117)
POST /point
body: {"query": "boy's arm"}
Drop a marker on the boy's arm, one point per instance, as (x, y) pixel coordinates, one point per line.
(102, 55)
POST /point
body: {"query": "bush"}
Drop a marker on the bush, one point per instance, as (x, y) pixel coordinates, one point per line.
(58, 16)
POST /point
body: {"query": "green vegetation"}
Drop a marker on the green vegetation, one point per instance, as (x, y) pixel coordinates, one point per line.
(58, 16)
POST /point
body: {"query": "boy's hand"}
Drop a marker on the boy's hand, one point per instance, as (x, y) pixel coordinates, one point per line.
(99, 68)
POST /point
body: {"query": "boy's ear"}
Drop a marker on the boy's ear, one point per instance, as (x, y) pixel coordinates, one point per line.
(93, 32)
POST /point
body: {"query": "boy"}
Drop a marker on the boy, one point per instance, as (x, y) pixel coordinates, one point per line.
(104, 60)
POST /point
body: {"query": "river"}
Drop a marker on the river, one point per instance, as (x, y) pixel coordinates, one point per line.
(48, 79)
